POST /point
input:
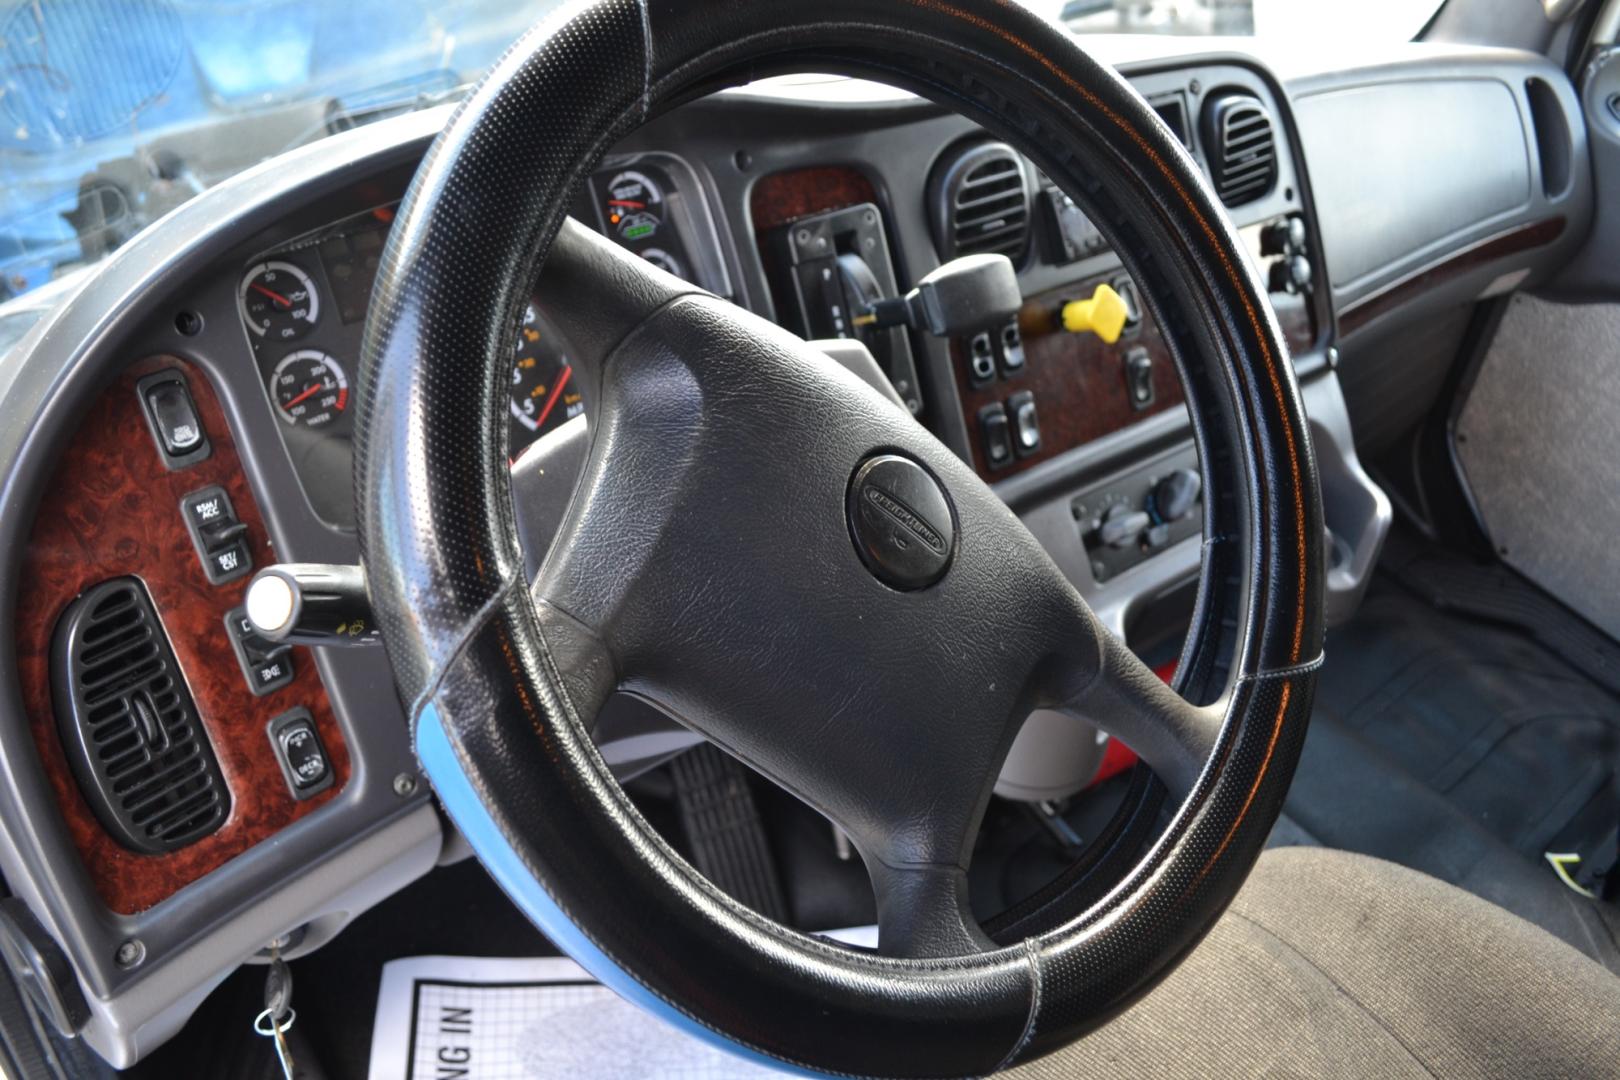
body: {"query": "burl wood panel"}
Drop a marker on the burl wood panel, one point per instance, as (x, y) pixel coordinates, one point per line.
(113, 509)
(1511, 242)
(795, 193)
(1079, 380)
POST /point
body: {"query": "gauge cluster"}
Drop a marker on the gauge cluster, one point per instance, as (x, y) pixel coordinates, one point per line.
(303, 307)
(304, 310)
(635, 212)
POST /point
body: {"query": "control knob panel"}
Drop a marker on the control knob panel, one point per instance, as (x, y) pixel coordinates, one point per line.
(1136, 516)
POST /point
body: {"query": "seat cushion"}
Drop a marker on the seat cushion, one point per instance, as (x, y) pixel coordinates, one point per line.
(1332, 964)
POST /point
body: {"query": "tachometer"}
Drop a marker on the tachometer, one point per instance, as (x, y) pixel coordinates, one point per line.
(634, 206)
(544, 394)
(309, 389)
(278, 301)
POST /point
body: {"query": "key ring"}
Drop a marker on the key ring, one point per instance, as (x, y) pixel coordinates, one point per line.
(261, 1026)
(264, 1024)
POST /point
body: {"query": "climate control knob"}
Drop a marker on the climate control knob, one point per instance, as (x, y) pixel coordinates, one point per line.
(1175, 495)
(1121, 525)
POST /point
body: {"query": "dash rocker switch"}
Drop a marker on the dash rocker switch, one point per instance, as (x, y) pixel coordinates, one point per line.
(981, 353)
(171, 414)
(997, 435)
(299, 752)
(218, 535)
(266, 665)
(1012, 349)
(1139, 377)
(1026, 425)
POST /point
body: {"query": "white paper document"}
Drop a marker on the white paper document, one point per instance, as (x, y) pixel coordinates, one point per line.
(468, 1018)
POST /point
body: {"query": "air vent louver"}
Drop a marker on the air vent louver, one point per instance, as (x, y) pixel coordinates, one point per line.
(128, 724)
(1241, 147)
(979, 202)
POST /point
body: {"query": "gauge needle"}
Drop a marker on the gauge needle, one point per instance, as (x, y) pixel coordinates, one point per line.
(628, 202)
(309, 392)
(556, 392)
(277, 297)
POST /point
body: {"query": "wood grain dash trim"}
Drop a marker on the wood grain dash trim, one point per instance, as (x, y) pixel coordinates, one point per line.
(1354, 316)
(787, 196)
(113, 509)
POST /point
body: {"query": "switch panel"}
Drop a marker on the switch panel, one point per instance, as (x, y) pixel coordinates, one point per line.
(172, 417)
(1141, 513)
(298, 749)
(266, 665)
(220, 539)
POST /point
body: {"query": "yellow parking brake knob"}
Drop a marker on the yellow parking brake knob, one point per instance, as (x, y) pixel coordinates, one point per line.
(1104, 314)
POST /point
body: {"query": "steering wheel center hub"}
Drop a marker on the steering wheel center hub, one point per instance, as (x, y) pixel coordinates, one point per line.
(902, 521)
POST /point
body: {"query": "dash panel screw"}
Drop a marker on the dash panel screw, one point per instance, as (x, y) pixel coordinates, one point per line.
(130, 953)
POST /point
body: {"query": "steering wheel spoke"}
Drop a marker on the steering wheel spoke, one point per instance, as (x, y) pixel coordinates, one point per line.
(923, 911)
(1126, 699)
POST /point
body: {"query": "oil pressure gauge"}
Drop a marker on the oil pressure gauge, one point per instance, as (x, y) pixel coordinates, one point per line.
(278, 301)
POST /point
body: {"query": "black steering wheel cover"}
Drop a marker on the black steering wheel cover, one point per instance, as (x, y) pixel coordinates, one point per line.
(469, 649)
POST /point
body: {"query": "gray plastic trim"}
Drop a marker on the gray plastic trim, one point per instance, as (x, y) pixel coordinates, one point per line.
(1375, 161)
(1357, 512)
(352, 852)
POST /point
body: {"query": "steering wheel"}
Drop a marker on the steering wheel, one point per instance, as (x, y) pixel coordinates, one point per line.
(790, 565)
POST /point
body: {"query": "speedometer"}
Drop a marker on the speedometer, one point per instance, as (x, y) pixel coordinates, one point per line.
(309, 389)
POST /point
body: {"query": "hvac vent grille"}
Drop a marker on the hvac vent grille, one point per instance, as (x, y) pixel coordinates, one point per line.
(128, 724)
(980, 202)
(1242, 148)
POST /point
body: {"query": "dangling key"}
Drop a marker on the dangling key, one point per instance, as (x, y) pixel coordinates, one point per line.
(278, 1012)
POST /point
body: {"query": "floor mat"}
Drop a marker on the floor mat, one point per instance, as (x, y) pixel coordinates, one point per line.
(1462, 747)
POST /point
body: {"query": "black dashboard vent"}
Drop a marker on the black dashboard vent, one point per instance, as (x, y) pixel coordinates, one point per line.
(128, 724)
(979, 200)
(1241, 146)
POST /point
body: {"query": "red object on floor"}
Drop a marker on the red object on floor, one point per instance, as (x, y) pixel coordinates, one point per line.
(1117, 757)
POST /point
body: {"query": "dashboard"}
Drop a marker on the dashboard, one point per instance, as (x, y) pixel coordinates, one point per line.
(187, 416)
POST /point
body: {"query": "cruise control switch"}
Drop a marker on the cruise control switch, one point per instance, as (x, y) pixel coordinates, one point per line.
(311, 604)
(218, 534)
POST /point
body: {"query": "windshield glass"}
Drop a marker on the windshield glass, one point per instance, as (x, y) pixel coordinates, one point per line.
(113, 112)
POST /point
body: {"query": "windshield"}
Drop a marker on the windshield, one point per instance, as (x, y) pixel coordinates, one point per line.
(113, 112)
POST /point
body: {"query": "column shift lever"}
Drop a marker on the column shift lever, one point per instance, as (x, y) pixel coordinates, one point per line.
(963, 296)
